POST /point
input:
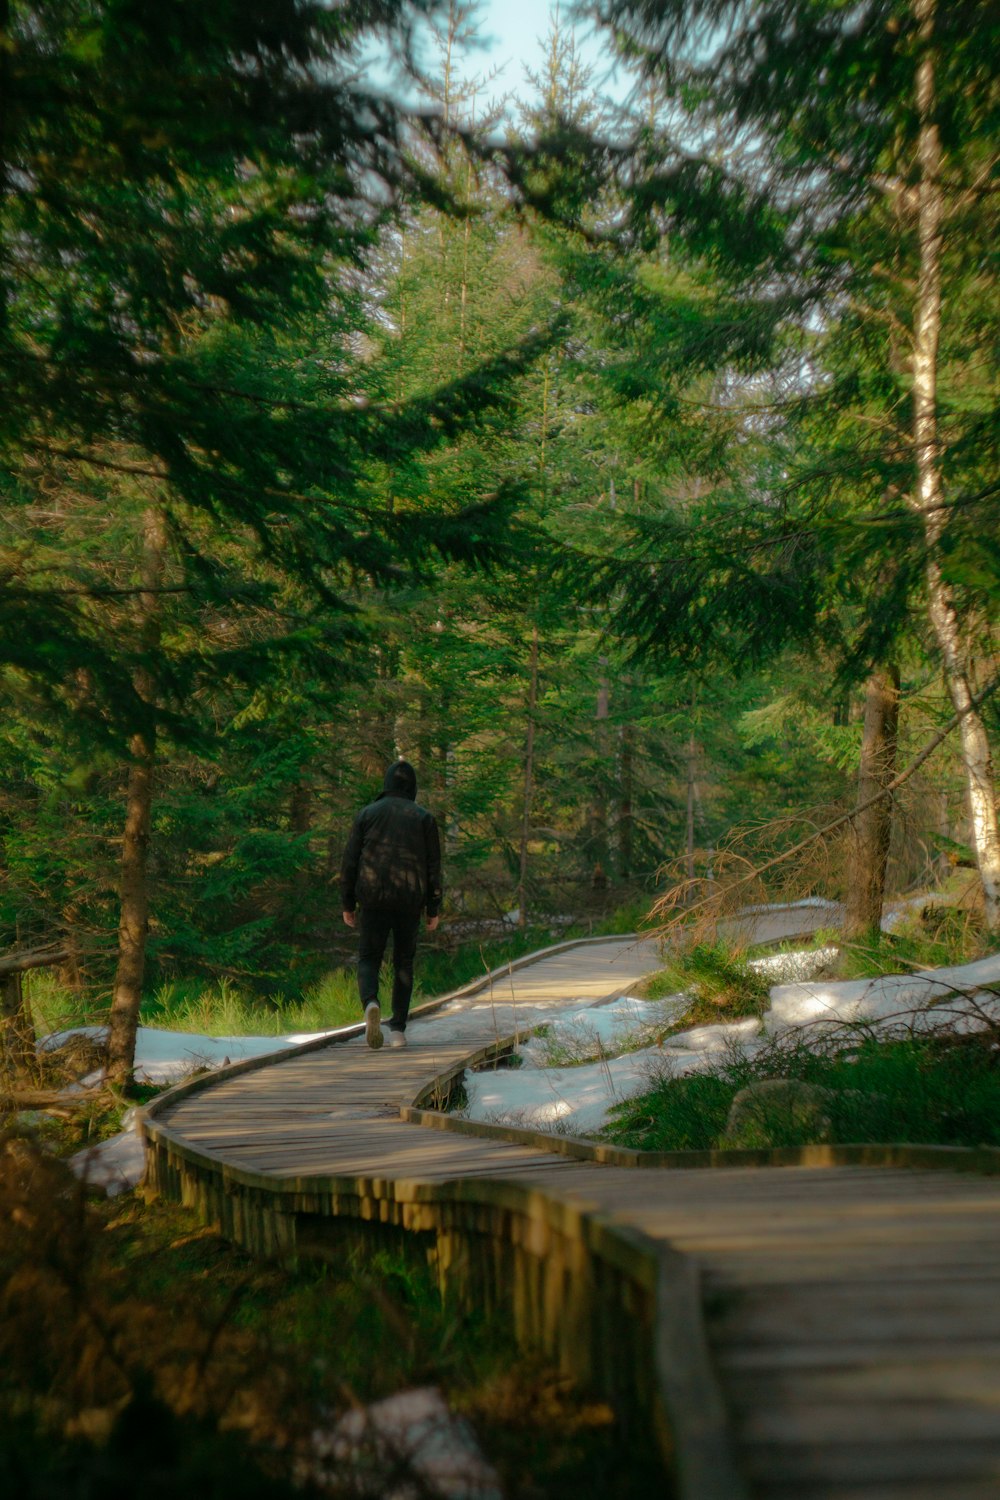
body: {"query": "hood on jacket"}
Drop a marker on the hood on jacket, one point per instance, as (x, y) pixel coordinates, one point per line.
(400, 781)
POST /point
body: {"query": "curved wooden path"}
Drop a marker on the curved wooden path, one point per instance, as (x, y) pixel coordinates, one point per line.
(816, 1330)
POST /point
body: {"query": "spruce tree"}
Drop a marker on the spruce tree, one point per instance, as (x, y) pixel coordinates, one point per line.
(188, 201)
(832, 168)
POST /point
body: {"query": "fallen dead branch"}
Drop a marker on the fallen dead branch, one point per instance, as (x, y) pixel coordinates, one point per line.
(677, 908)
(48, 1099)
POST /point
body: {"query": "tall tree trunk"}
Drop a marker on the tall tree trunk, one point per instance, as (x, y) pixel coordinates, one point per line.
(17, 1032)
(440, 753)
(300, 804)
(6, 53)
(873, 826)
(929, 496)
(17, 1028)
(692, 789)
(300, 821)
(598, 800)
(133, 925)
(529, 783)
(626, 775)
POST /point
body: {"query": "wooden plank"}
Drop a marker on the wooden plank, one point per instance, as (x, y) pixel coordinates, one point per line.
(855, 1464)
(734, 1358)
(848, 1311)
(812, 1264)
(879, 1422)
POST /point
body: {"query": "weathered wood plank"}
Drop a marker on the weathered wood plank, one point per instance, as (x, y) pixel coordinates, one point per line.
(851, 1464)
(915, 1489)
(848, 1311)
(877, 1420)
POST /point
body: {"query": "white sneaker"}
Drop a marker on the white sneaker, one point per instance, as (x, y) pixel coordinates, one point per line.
(373, 1025)
(397, 1039)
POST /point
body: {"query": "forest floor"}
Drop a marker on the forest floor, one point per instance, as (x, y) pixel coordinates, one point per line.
(242, 1377)
(134, 1338)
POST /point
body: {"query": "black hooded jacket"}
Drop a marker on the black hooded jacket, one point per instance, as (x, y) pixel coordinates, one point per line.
(393, 856)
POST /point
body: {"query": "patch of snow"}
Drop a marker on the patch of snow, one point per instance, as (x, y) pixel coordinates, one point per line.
(803, 904)
(406, 1447)
(169, 1056)
(785, 967)
(588, 1030)
(576, 1100)
(720, 1037)
(117, 1164)
(547, 1098)
(954, 993)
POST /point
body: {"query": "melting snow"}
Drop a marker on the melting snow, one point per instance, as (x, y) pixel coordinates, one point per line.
(169, 1056)
(576, 1100)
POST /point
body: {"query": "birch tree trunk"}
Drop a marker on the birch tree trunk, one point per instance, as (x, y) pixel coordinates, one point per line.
(928, 499)
(133, 924)
(873, 826)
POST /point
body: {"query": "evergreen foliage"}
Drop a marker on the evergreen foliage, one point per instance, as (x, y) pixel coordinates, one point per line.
(338, 428)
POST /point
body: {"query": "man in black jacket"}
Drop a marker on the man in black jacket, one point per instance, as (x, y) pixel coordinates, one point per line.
(392, 872)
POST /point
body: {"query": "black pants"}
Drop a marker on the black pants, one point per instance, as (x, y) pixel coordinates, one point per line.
(375, 926)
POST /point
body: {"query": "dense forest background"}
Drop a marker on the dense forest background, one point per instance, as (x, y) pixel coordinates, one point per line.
(507, 433)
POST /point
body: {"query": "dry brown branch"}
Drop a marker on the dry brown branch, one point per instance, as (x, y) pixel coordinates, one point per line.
(727, 892)
(33, 958)
(54, 1099)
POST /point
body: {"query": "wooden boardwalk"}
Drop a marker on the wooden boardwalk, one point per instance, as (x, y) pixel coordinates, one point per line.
(852, 1313)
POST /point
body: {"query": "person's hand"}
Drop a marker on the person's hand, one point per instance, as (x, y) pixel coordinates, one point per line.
(350, 919)
(432, 923)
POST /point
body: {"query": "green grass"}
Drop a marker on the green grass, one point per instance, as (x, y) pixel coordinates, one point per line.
(945, 936)
(222, 1009)
(943, 1091)
(719, 980)
(55, 1008)
(631, 916)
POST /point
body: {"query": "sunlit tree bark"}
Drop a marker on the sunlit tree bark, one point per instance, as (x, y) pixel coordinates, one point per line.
(929, 495)
(872, 827)
(133, 924)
